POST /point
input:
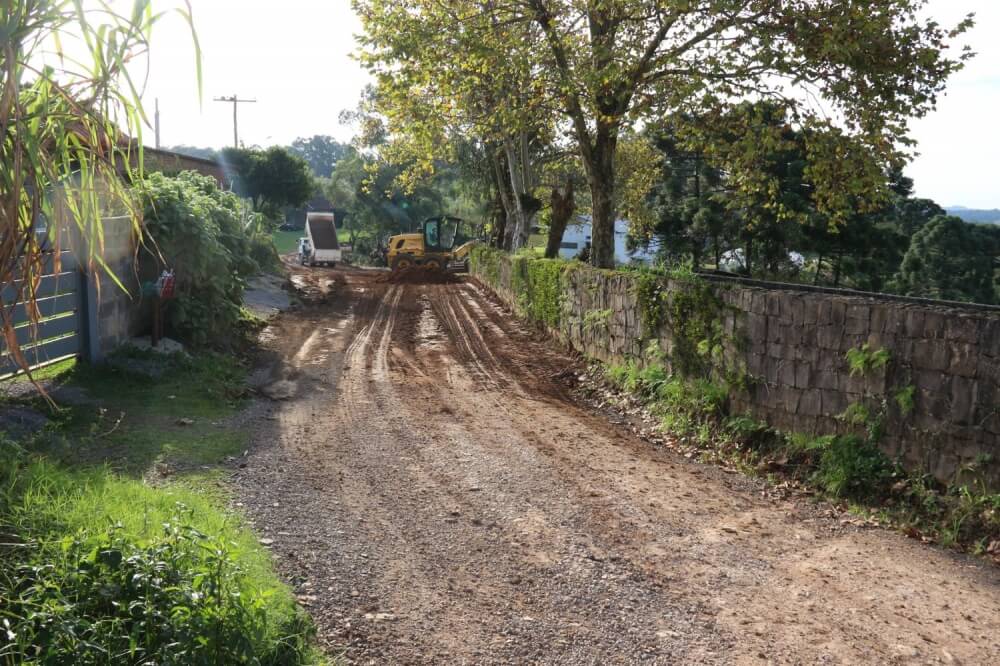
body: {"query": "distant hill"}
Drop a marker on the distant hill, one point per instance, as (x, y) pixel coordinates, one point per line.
(975, 215)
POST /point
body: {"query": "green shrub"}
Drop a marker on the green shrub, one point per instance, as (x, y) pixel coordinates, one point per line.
(545, 290)
(852, 467)
(863, 360)
(649, 293)
(97, 569)
(197, 230)
(485, 263)
(684, 405)
(178, 599)
(263, 253)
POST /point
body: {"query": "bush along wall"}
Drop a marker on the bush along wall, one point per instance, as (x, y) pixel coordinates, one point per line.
(196, 229)
(868, 399)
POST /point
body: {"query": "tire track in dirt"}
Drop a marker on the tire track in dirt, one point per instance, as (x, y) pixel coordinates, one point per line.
(711, 553)
(413, 493)
(452, 505)
(484, 463)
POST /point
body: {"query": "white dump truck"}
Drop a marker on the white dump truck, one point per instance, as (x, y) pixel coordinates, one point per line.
(319, 245)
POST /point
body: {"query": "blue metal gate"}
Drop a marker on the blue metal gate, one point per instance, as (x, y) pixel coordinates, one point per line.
(59, 331)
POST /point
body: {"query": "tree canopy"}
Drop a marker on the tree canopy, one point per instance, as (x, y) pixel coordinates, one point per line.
(273, 178)
(321, 152)
(851, 73)
(951, 259)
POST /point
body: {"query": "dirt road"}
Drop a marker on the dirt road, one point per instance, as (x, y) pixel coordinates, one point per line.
(436, 495)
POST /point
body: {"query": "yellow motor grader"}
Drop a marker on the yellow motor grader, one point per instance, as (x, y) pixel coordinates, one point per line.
(433, 247)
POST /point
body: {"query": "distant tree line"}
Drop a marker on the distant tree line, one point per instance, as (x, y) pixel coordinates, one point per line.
(902, 244)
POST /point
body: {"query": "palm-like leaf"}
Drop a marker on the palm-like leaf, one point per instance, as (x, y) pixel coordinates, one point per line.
(70, 134)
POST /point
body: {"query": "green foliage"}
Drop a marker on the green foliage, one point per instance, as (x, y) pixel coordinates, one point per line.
(853, 468)
(377, 206)
(864, 360)
(197, 230)
(905, 399)
(71, 128)
(99, 566)
(694, 314)
(843, 466)
(597, 320)
(537, 287)
(321, 153)
(684, 405)
(951, 259)
(485, 263)
(856, 414)
(110, 570)
(702, 215)
(273, 178)
(177, 599)
(602, 65)
(650, 295)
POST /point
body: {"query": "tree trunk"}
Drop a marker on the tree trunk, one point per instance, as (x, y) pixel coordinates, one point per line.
(505, 233)
(601, 176)
(563, 206)
(519, 169)
(499, 223)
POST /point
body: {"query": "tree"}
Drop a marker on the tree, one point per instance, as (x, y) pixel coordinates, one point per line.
(605, 64)
(66, 130)
(321, 152)
(273, 178)
(688, 203)
(702, 205)
(446, 78)
(947, 259)
(561, 207)
(377, 205)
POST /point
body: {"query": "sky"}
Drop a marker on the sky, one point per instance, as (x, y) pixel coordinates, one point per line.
(293, 57)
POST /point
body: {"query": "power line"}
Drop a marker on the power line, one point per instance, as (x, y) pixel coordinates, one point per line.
(235, 101)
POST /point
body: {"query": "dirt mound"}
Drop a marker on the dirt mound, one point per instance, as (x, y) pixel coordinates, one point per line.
(418, 275)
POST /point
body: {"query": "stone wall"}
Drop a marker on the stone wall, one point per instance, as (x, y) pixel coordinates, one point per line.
(791, 347)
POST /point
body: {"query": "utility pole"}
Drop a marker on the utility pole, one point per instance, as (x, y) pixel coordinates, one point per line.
(156, 122)
(235, 101)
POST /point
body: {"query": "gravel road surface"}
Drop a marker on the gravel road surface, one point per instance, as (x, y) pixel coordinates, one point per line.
(436, 494)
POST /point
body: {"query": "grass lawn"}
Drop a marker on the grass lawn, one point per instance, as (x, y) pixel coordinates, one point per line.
(130, 487)
(287, 241)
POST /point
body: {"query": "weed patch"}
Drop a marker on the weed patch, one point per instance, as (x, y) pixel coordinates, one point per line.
(99, 569)
(98, 566)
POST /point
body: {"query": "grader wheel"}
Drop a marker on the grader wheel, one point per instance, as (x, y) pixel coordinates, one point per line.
(401, 264)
